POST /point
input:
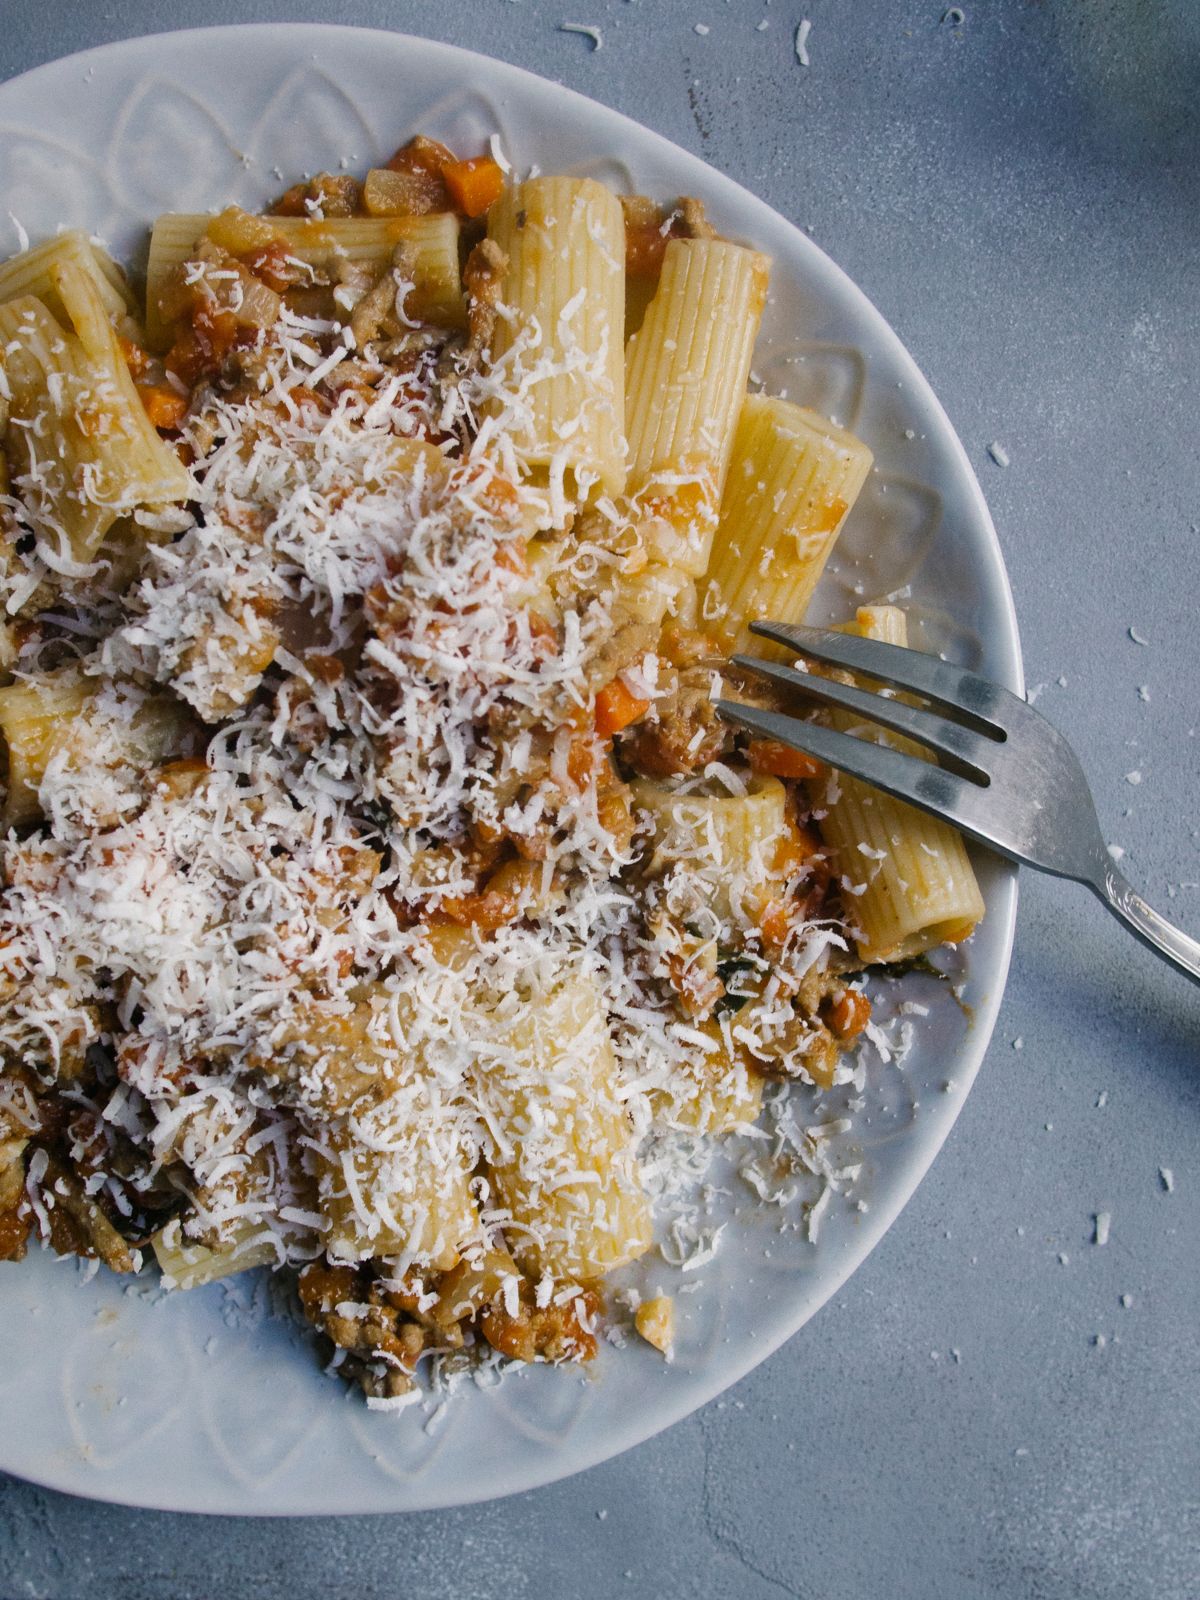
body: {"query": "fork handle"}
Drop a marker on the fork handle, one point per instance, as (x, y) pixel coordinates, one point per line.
(1175, 946)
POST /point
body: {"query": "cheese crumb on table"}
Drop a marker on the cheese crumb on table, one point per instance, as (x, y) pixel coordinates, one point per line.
(587, 30)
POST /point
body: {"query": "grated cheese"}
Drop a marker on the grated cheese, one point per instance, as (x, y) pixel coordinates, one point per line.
(587, 30)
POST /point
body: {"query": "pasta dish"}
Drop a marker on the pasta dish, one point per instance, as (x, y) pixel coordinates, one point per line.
(381, 897)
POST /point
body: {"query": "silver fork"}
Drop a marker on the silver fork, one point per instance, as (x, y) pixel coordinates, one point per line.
(1008, 778)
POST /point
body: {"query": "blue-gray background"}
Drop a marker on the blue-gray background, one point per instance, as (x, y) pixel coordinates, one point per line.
(995, 1406)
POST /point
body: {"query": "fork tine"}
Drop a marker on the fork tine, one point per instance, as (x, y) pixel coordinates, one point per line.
(960, 745)
(920, 783)
(983, 702)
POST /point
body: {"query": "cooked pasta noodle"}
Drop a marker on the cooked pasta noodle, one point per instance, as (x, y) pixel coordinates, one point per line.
(909, 875)
(562, 301)
(36, 719)
(328, 248)
(560, 1150)
(687, 367)
(793, 478)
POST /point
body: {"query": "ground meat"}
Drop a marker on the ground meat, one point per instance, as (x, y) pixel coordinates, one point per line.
(378, 305)
(828, 1015)
(14, 1217)
(379, 313)
(424, 160)
(381, 1328)
(327, 195)
(549, 1333)
(693, 220)
(483, 276)
(78, 1226)
(683, 732)
(380, 1343)
(648, 228)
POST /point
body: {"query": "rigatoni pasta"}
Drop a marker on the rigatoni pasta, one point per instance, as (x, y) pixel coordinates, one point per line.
(686, 372)
(381, 896)
(56, 456)
(559, 1151)
(908, 875)
(793, 478)
(191, 1266)
(326, 251)
(30, 273)
(739, 847)
(715, 1086)
(81, 449)
(561, 321)
(37, 718)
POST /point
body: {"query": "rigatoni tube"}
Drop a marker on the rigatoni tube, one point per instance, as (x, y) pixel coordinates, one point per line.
(793, 478)
(29, 272)
(368, 243)
(81, 450)
(138, 467)
(394, 1166)
(559, 1147)
(36, 718)
(908, 883)
(685, 376)
(189, 1266)
(56, 456)
(712, 1086)
(558, 339)
(735, 848)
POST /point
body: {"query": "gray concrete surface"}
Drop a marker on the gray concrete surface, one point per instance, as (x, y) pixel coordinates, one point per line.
(1018, 193)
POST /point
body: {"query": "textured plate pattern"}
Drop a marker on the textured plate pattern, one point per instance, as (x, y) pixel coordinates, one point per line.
(208, 1402)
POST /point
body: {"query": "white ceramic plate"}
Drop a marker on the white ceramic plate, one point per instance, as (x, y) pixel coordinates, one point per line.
(205, 1402)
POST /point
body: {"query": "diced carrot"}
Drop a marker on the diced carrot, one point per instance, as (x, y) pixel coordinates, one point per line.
(616, 708)
(511, 556)
(796, 845)
(543, 635)
(136, 359)
(644, 250)
(473, 185)
(781, 761)
(849, 1014)
(486, 911)
(826, 518)
(581, 761)
(164, 407)
(426, 159)
(776, 920)
(500, 497)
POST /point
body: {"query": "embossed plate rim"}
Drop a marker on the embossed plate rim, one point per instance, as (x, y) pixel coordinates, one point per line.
(185, 1474)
